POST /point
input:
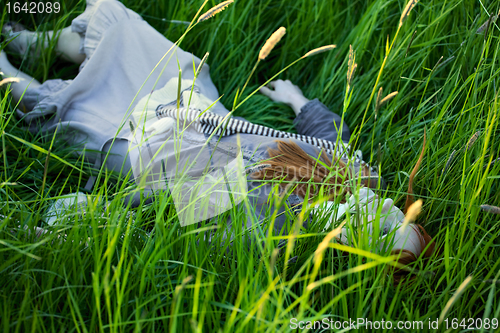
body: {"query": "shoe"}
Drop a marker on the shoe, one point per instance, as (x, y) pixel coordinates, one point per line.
(66, 204)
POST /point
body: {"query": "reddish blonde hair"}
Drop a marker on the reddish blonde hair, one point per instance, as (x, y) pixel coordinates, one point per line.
(291, 163)
(407, 258)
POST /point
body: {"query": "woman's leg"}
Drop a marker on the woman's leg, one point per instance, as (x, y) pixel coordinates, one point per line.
(25, 81)
(68, 46)
(29, 43)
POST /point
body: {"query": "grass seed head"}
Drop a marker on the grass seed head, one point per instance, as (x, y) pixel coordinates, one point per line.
(9, 80)
(271, 43)
(485, 25)
(406, 11)
(447, 165)
(379, 97)
(202, 62)
(377, 103)
(319, 50)
(318, 254)
(351, 65)
(490, 209)
(388, 98)
(454, 298)
(214, 10)
(472, 140)
(412, 213)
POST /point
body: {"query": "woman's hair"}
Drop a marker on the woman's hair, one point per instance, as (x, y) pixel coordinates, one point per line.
(407, 258)
(291, 163)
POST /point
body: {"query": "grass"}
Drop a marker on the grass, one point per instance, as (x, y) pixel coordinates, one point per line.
(144, 272)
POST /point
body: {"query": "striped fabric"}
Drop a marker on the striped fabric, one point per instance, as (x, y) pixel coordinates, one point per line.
(208, 123)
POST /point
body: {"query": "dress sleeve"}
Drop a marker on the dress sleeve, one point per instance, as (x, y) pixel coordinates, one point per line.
(316, 120)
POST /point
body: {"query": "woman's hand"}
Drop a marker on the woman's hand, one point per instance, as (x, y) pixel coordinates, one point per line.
(285, 92)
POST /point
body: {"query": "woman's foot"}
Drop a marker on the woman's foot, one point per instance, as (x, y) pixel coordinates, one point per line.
(29, 43)
(25, 81)
(12, 27)
(19, 40)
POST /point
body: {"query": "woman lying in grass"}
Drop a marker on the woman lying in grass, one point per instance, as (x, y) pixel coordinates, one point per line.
(158, 120)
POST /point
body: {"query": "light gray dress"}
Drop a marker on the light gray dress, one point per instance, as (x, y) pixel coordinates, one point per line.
(125, 63)
(121, 67)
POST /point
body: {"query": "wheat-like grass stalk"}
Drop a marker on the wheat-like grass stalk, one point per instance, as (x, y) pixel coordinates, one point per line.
(436, 66)
(485, 25)
(351, 66)
(381, 101)
(320, 250)
(412, 213)
(264, 52)
(377, 103)
(411, 41)
(490, 209)
(388, 98)
(472, 140)
(447, 165)
(214, 10)
(271, 43)
(319, 50)
(202, 62)
(389, 47)
(454, 298)
(9, 80)
(406, 11)
(379, 97)
(467, 146)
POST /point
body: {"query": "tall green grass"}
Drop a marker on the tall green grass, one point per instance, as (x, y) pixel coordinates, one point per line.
(123, 269)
